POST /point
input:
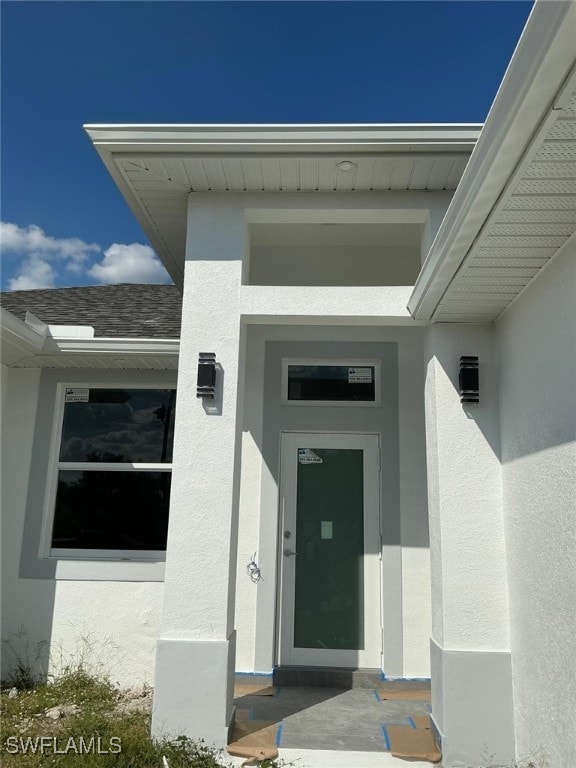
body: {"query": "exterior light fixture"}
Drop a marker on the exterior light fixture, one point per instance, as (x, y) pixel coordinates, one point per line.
(468, 380)
(206, 382)
(345, 165)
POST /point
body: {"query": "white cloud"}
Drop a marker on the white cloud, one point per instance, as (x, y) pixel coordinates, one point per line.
(42, 261)
(34, 241)
(34, 273)
(134, 263)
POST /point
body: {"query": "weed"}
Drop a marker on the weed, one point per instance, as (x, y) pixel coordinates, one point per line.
(24, 659)
(536, 759)
(97, 734)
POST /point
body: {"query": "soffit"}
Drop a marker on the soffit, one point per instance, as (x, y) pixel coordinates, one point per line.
(158, 167)
(534, 217)
(100, 362)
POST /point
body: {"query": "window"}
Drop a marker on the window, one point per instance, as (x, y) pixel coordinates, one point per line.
(331, 382)
(112, 480)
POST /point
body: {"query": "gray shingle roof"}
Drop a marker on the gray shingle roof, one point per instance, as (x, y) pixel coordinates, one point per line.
(125, 310)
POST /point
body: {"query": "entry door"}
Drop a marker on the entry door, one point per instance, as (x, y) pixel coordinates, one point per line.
(330, 550)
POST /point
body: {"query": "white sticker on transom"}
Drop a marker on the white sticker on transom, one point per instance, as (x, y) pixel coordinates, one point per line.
(76, 395)
(359, 375)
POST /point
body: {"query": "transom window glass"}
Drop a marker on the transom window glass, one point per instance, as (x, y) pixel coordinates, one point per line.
(114, 470)
(330, 382)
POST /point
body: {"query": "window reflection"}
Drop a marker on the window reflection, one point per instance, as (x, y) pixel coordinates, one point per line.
(120, 425)
(331, 382)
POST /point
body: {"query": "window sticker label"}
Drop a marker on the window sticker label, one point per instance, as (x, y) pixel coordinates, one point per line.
(359, 375)
(307, 456)
(76, 395)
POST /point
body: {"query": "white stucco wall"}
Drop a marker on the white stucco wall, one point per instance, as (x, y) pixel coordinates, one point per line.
(470, 650)
(3, 384)
(470, 610)
(111, 626)
(416, 589)
(537, 347)
(333, 265)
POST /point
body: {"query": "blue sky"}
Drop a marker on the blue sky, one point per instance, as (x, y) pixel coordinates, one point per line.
(68, 63)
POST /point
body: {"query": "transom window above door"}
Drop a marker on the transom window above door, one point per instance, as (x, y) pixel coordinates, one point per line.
(330, 382)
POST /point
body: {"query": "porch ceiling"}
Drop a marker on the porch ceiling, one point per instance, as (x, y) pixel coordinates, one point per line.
(157, 167)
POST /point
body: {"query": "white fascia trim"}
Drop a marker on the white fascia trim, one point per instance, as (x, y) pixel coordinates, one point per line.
(540, 64)
(112, 346)
(71, 331)
(20, 331)
(19, 340)
(266, 139)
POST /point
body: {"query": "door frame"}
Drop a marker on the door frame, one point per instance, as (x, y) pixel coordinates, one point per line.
(371, 655)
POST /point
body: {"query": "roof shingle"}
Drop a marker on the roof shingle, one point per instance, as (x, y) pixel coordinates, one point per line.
(116, 311)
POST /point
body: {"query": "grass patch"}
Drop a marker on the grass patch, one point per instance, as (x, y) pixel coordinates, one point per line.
(95, 733)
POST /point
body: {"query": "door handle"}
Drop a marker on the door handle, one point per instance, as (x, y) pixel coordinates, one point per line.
(289, 553)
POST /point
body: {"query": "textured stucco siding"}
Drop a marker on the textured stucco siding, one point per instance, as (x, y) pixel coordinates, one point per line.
(537, 346)
(4, 371)
(470, 606)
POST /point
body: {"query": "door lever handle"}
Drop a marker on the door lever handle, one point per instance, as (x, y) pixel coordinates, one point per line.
(289, 553)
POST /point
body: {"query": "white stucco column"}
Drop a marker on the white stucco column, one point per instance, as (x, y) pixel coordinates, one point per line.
(470, 647)
(196, 648)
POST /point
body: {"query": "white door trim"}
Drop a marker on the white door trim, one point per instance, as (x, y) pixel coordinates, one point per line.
(371, 655)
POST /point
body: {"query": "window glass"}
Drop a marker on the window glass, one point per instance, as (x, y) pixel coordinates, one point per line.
(111, 510)
(331, 382)
(118, 425)
(123, 507)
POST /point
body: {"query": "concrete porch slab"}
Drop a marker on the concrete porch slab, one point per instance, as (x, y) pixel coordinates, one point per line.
(322, 758)
(332, 727)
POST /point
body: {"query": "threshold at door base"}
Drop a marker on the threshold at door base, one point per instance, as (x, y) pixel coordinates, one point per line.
(326, 677)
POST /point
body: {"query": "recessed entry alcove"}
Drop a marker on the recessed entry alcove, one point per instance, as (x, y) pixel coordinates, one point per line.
(334, 254)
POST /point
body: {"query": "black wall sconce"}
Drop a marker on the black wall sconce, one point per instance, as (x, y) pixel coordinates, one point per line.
(468, 380)
(206, 383)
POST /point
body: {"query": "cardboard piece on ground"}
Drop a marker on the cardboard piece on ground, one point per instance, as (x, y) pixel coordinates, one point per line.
(254, 739)
(408, 694)
(253, 690)
(421, 721)
(415, 743)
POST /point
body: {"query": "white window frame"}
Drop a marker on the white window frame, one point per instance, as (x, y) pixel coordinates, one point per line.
(341, 362)
(55, 466)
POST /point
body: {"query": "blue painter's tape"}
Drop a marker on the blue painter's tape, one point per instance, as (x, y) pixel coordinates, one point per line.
(386, 737)
(411, 722)
(377, 695)
(251, 713)
(277, 691)
(382, 675)
(279, 734)
(253, 674)
(429, 707)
